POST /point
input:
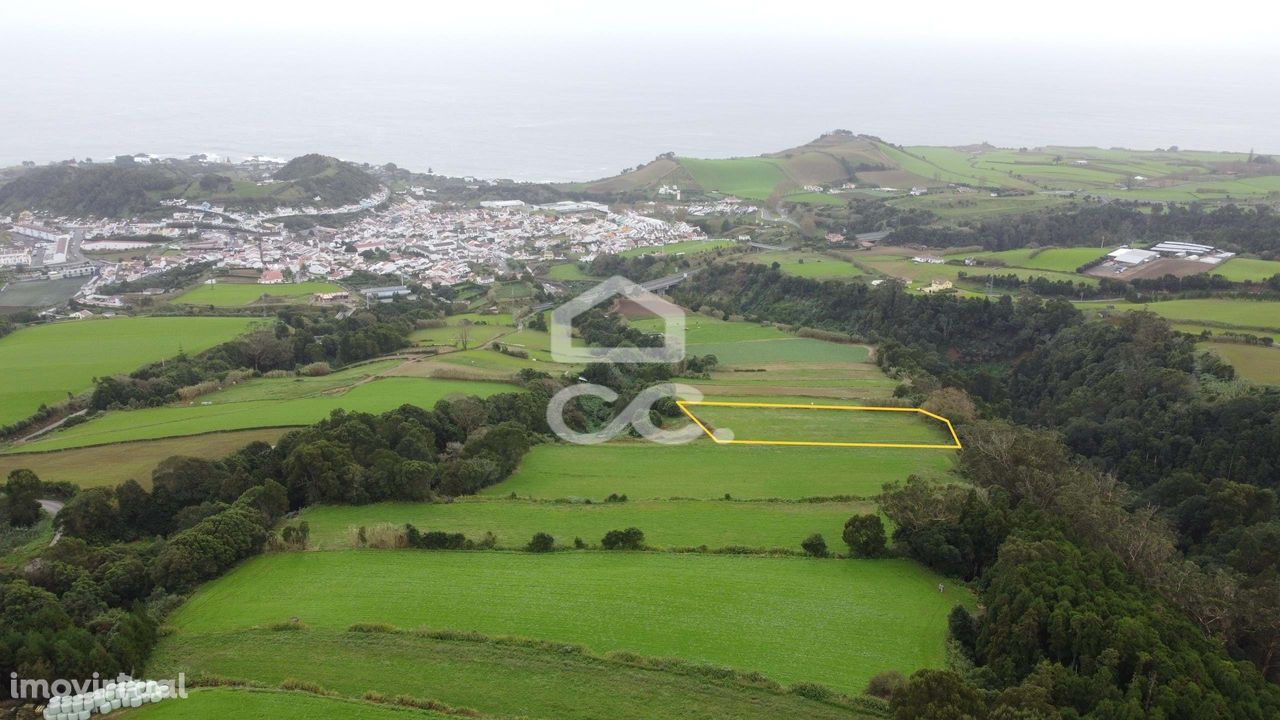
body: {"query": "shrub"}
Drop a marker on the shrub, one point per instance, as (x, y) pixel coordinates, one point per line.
(630, 539)
(315, 369)
(813, 691)
(541, 542)
(385, 536)
(815, 545)
(882, 685)
(615, 497)
(579, 544)
(864, 534)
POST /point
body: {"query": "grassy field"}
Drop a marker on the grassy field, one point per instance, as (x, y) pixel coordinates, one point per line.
(1248, 269)
(924, 273)
(820, 424)
(703, 469)
(1256, 363)
(742, 612)
(1233, 312)
(505, 679)
(219, 703)
(45, 363)
(753, 178)
(1064, 260)
(153, 423)
(666, 523)
(480, 331)
(567, 271)
(976, 206)
(110, 465)
(806, 264)
(683, 247)
(226, 294)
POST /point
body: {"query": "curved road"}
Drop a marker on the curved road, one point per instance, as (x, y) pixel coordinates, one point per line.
(52, 507)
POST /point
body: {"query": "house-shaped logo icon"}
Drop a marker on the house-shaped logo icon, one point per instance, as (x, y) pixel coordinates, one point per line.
(671, 351)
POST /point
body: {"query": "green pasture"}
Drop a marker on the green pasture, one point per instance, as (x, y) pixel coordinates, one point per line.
(820, 423)
(741, 612)
(259, 704)
(666, 523)
(1229, 313)
(227, 294)
(1256, 363)
(703, 469)
(504, 679)
(1248, 270)
(43, 364)
(754, 178)
(1063, 260)
(152, 423)
(685, 247)
(806, 264)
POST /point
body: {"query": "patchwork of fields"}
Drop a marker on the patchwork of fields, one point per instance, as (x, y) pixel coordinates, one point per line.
(44, 364)
(378, 395)
(752, 612)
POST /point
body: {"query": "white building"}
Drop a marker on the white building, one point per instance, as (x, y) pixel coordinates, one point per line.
(1132, 256)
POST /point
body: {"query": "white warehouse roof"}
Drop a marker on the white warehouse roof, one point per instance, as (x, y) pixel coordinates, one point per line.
(1132, 257)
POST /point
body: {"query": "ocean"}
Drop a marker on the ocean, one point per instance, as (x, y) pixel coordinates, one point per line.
(553, 111)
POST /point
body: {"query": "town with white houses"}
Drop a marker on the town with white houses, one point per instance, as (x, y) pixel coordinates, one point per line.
(407, 236)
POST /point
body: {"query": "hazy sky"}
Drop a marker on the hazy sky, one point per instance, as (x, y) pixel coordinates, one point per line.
(1183, 25)
(576, 89)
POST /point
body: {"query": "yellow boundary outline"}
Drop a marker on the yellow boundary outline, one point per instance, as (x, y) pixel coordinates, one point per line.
(684, 407)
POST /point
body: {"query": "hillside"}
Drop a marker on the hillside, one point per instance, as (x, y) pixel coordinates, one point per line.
(336, 182)
(879, 168)
(127, 188)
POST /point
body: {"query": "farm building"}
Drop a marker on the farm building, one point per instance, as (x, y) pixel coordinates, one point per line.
(1181, 249)
(1131, 256)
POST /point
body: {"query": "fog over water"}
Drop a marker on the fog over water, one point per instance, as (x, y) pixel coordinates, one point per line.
(534, 108)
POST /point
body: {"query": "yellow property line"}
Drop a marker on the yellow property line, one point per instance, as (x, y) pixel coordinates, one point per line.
(684, 407)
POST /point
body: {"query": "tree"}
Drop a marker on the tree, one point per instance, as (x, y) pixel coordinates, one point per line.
(463, 337)
(91, 515)
(21, 492)
(951, 403)
(864, 534)
(936, 695)
(541, 542)
(815, 545)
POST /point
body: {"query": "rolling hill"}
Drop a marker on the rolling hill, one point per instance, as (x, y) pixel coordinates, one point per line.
(127, 188)
(880, 167)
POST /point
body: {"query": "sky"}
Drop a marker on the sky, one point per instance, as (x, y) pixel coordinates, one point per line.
(1174, 25)
(570, 89)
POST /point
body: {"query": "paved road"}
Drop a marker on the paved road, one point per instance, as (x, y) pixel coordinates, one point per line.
(52, 507)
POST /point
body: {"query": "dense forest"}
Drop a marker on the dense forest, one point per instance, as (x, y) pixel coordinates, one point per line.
(1231, 227)
(93, 601)
(1120, 538)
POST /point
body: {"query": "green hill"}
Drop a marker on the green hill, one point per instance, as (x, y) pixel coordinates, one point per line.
(127, 188)
(841, 157)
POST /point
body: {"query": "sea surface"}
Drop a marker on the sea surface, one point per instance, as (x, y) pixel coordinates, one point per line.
(553, 111)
